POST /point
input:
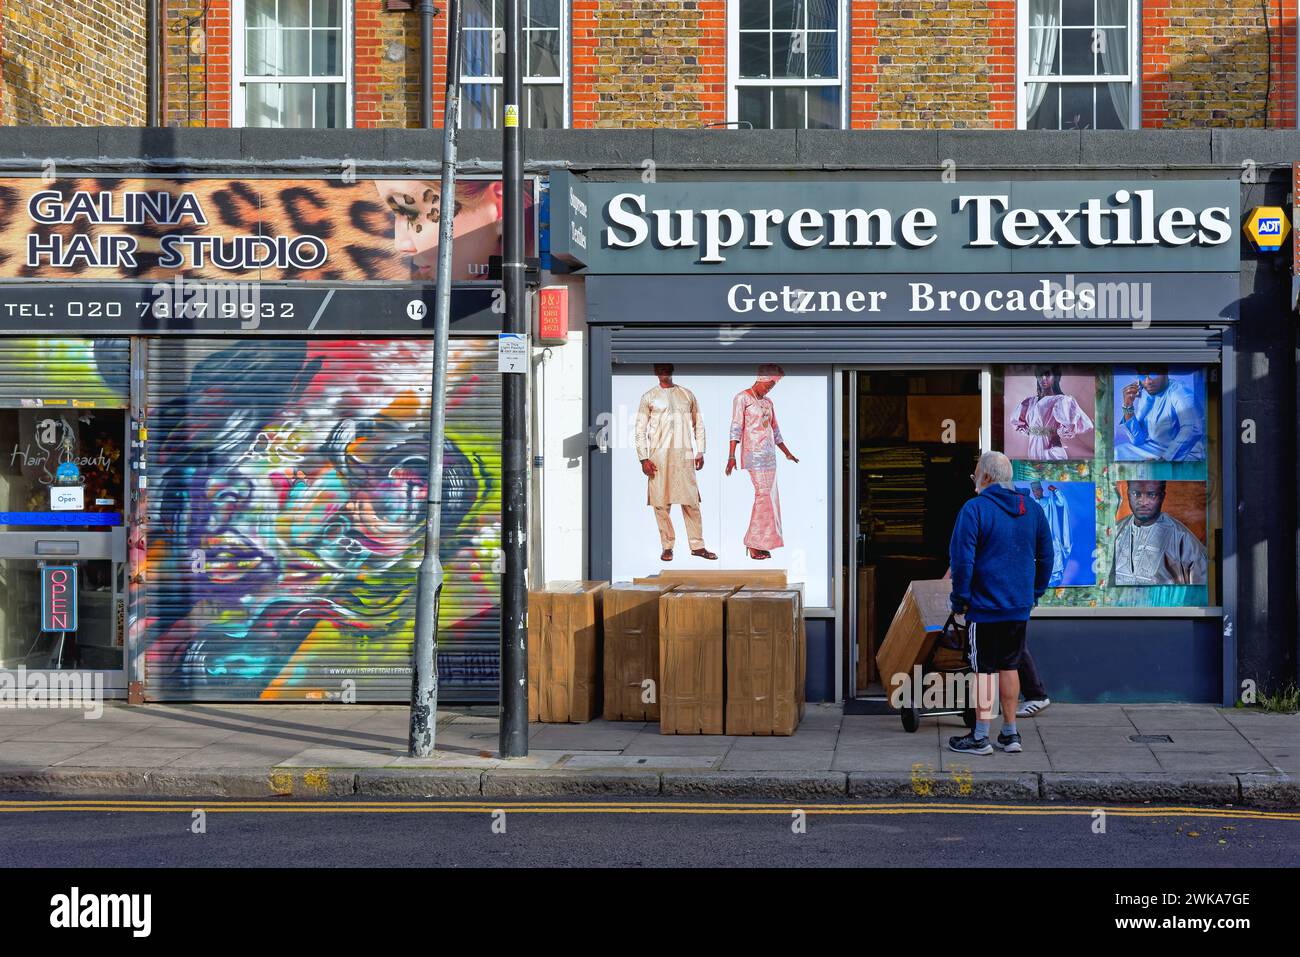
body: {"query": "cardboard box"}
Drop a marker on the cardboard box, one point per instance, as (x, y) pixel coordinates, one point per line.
(764, 658)
(692, 650)
(866, 626)
(916, 627)
(631, 650)
(564, 622)
(744, 578)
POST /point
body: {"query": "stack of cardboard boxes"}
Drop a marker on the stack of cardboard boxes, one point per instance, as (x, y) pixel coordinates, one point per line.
(701, 653)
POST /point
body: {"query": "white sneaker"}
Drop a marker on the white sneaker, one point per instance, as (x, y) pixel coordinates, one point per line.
(1028, 709)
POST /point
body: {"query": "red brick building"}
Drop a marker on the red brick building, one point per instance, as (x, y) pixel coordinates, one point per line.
(852, 64)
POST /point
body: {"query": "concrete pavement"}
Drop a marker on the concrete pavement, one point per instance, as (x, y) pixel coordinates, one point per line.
(1078, 753)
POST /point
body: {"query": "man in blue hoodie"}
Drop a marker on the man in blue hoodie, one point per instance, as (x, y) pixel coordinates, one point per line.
(1001, 554)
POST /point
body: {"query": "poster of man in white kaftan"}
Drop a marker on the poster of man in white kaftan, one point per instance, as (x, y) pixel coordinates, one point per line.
(1051, 413)
(722, 467)
(1071, 512)
(1159, 413)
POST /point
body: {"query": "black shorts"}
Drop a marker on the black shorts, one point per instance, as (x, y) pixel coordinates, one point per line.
(996, 645)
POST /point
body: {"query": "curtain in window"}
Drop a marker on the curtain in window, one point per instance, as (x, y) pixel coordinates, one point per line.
(1114, 58)
(1043, 34)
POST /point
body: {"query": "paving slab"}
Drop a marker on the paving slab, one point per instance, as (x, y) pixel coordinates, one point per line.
(737, 760)
(1163, 720)
(1139, 759)
(245, 756)
(69, 731)
(678, 744)
(42, 716)
(579, 736)
(800, 740)
(997, 761)
(586, 762)
(115, 757)
(891, 759)
(1235, 760)
(41, 753)
(340, 758)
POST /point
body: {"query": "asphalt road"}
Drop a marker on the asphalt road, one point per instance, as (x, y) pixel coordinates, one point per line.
(637, 833)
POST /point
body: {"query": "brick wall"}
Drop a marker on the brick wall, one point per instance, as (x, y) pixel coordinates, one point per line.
(73, 64)
(1205, 63)
(640, 63)
(198, 65)
(933, 64)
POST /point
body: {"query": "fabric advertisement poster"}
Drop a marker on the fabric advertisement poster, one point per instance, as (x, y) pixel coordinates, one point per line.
(675, 499)
(1159, 414)
(1071, 512)
(1160, 534)
(1051, 413)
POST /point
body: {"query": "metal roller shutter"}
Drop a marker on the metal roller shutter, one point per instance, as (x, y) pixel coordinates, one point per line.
(58, 371)
(918, 345)
(285, 510)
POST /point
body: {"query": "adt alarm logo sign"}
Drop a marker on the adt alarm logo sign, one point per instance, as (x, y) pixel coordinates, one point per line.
(59, 598)
(1267, 227)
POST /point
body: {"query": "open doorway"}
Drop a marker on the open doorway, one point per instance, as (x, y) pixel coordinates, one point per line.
(912, 444)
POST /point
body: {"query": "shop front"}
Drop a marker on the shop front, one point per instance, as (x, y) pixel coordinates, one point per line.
(214, 414)
(836, 353)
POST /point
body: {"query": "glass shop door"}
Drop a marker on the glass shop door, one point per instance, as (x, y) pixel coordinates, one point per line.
(63, 539)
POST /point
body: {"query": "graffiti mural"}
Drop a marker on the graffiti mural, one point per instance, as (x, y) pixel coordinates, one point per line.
(286, 501)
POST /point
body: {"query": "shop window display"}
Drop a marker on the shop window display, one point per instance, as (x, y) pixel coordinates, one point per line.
(1143, 445)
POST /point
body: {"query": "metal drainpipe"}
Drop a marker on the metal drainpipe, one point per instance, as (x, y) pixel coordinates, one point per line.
(427, 13)
(153, 68)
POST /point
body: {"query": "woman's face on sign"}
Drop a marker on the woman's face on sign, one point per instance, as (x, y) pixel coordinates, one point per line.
(416, 206)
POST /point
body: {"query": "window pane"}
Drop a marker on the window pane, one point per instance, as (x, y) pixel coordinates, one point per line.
(1044, 12)
(1108, 117)
(1112, 56)
(499, 11)
(822, 14)
(1076, 106)
(1047, 115)
(787, 14)
(259, 13)
(1076, 53)
(1040, 42)
(787, 108)
(477, 13)
(753, 106)
(478, 53)
(823, 108)
(544, 13)
(325, 53)
(822, 56)
(543, 53)
(788, 54)
(279, 105)
(295, 13)
(259, 52)
(545, 106)
(754, 14)
(1077, 13)
(754, 55)
(478, 106)
(295, 52)
(327, 13)
(329, 105)
(1112, 12)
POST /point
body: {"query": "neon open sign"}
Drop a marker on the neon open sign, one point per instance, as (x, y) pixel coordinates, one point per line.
(59, 598)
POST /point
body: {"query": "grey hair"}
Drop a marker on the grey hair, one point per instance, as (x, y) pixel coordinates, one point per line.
(996, 467)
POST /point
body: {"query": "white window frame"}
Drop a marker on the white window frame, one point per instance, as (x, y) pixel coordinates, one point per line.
(734, 80)
(1134, 65)
(564, 81)
(238, 101)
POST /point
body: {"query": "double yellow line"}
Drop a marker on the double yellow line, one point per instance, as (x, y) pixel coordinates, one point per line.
(478, 806)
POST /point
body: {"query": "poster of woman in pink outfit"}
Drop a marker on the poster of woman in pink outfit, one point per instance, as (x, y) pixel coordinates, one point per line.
(755, 430)
(1054, 420)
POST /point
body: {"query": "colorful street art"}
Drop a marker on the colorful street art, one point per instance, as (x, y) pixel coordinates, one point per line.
(286, 498)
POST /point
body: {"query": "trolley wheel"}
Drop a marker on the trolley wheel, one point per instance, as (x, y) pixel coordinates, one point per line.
(911, 720)
(968, 718)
